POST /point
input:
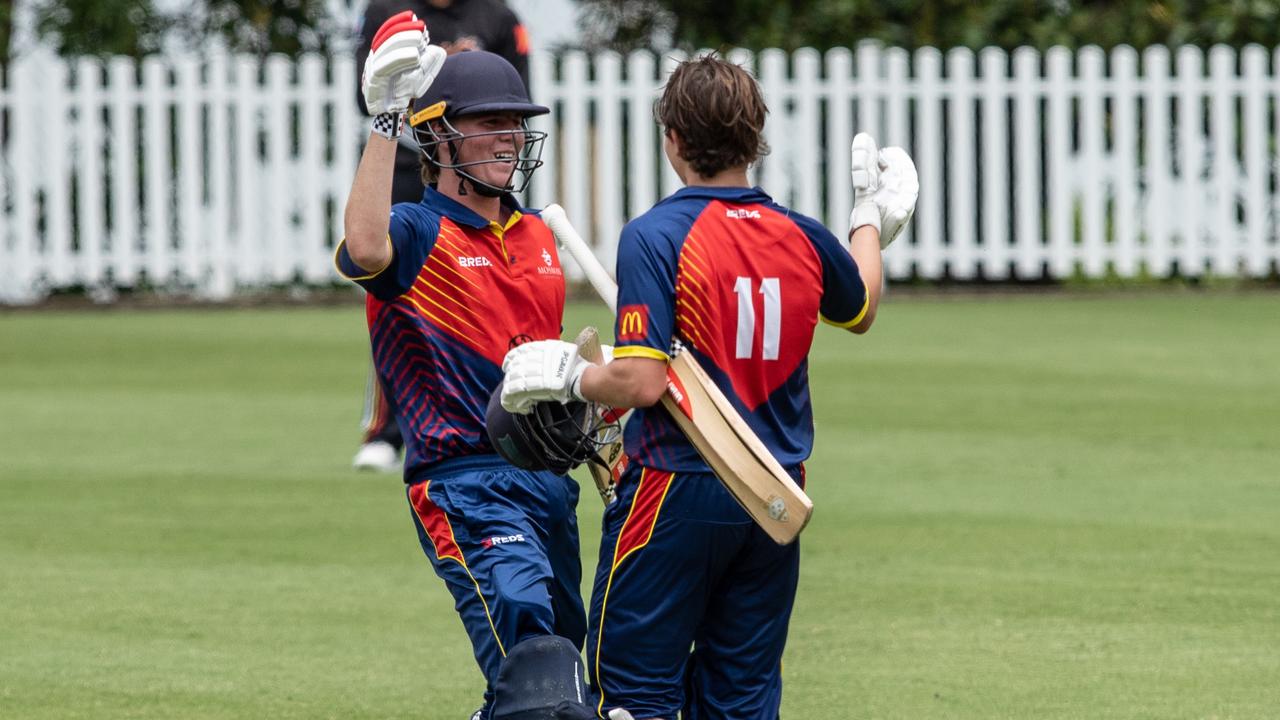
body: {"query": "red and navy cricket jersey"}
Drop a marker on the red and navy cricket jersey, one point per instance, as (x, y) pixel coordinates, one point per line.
(459, 293)
(742, 282)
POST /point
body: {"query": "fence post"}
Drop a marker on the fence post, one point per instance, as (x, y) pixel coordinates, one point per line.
(281, 235)
(1191, 161)
(125, 211)
(1060, 189)
(806, 157)
(607, 179)
(156, 153)
(1125, 160)
(929, 163)
(641, 128)
(901, 255)
(996, 210)
(962, 211)
(193, 253)
(1092, 176)
(840, 130)
(1222, 183)
(1258, 164)
(56, 135)
(1158, 168)
(1028, 169)
(23, 263)
(310, 170)
(91, 221)
(219, 279)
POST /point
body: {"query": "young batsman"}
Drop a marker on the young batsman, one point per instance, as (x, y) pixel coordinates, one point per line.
(741, 282)
(457, 26)
(454, 281)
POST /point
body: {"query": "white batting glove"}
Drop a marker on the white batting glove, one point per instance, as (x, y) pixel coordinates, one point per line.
(401, 66)
(540, 371)
(896, 197)
(864, 170)
(620, 714)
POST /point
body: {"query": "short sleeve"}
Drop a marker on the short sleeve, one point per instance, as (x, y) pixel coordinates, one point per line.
(646, 295)
(412, 234)
(844, 295)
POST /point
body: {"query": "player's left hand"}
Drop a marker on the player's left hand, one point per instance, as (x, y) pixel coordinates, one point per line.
(539, 371)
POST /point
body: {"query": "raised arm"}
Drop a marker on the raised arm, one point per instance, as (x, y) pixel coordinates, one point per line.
(885, 188)
(399, 68)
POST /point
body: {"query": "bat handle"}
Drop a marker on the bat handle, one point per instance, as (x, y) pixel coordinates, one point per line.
(569, 239)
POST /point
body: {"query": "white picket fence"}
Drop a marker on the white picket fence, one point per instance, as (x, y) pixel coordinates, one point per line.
(213, 174)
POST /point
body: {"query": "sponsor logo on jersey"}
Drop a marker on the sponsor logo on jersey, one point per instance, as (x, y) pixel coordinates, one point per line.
(547, 266)
(742, 214)
(633, 322)
(478, 261)
(501, 540)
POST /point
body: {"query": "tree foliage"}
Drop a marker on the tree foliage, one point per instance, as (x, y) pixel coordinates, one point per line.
(625, 24)
(137, 27)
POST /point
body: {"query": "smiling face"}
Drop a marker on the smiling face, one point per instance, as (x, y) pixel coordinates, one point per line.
(490, 147)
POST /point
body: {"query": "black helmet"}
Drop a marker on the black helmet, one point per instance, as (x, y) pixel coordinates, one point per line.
(552, 436)
(475, 83)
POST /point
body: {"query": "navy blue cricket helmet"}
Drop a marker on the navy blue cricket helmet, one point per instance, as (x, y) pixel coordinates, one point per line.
(552, 436)
(476, 83)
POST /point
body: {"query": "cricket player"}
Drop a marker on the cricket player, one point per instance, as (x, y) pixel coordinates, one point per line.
(741, 282)
(454, 280)
(457, 26)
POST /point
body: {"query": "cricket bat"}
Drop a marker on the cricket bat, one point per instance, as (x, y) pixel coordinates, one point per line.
(738, 457)
(713, 426)
(615, 460)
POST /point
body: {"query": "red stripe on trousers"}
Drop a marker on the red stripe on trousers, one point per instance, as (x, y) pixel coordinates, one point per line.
(434, 522)
(644, 511)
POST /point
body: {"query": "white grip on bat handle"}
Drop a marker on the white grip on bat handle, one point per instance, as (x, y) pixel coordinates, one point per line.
(569, 239)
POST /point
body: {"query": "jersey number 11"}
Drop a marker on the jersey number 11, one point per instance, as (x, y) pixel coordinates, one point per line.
(771, 289)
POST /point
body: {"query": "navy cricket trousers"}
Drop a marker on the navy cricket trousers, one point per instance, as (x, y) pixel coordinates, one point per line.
(682, 565)
(505, 542)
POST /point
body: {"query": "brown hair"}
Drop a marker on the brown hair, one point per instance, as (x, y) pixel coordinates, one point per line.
(427, 169)
(716, 109)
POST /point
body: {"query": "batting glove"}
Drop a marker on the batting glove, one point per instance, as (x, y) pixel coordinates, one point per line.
(540, 371)
(401, 65)
(864, 170)
(897, 194)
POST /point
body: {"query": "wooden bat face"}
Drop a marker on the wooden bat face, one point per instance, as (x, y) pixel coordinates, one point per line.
(739, 459)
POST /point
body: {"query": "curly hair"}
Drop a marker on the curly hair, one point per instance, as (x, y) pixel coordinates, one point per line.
(716, 109)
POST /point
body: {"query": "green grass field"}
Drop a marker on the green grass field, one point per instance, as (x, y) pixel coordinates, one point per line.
(1027, 507)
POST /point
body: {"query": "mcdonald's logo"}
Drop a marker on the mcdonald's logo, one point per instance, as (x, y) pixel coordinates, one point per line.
(633, 322)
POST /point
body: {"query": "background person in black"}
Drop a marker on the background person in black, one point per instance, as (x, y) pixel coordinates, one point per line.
(456, 26)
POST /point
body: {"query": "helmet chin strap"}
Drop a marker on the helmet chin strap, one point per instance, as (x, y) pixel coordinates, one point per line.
(482, 189)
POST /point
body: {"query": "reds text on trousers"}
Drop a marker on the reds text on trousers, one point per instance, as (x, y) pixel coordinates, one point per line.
(505, 541)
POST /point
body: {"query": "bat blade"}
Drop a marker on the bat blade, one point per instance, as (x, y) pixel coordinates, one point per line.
(738, 457)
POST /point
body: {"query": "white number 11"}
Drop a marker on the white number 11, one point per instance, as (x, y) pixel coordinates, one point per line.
(771, 289)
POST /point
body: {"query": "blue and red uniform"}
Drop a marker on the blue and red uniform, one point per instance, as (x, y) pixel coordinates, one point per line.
(742, 282)
(459, 293)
